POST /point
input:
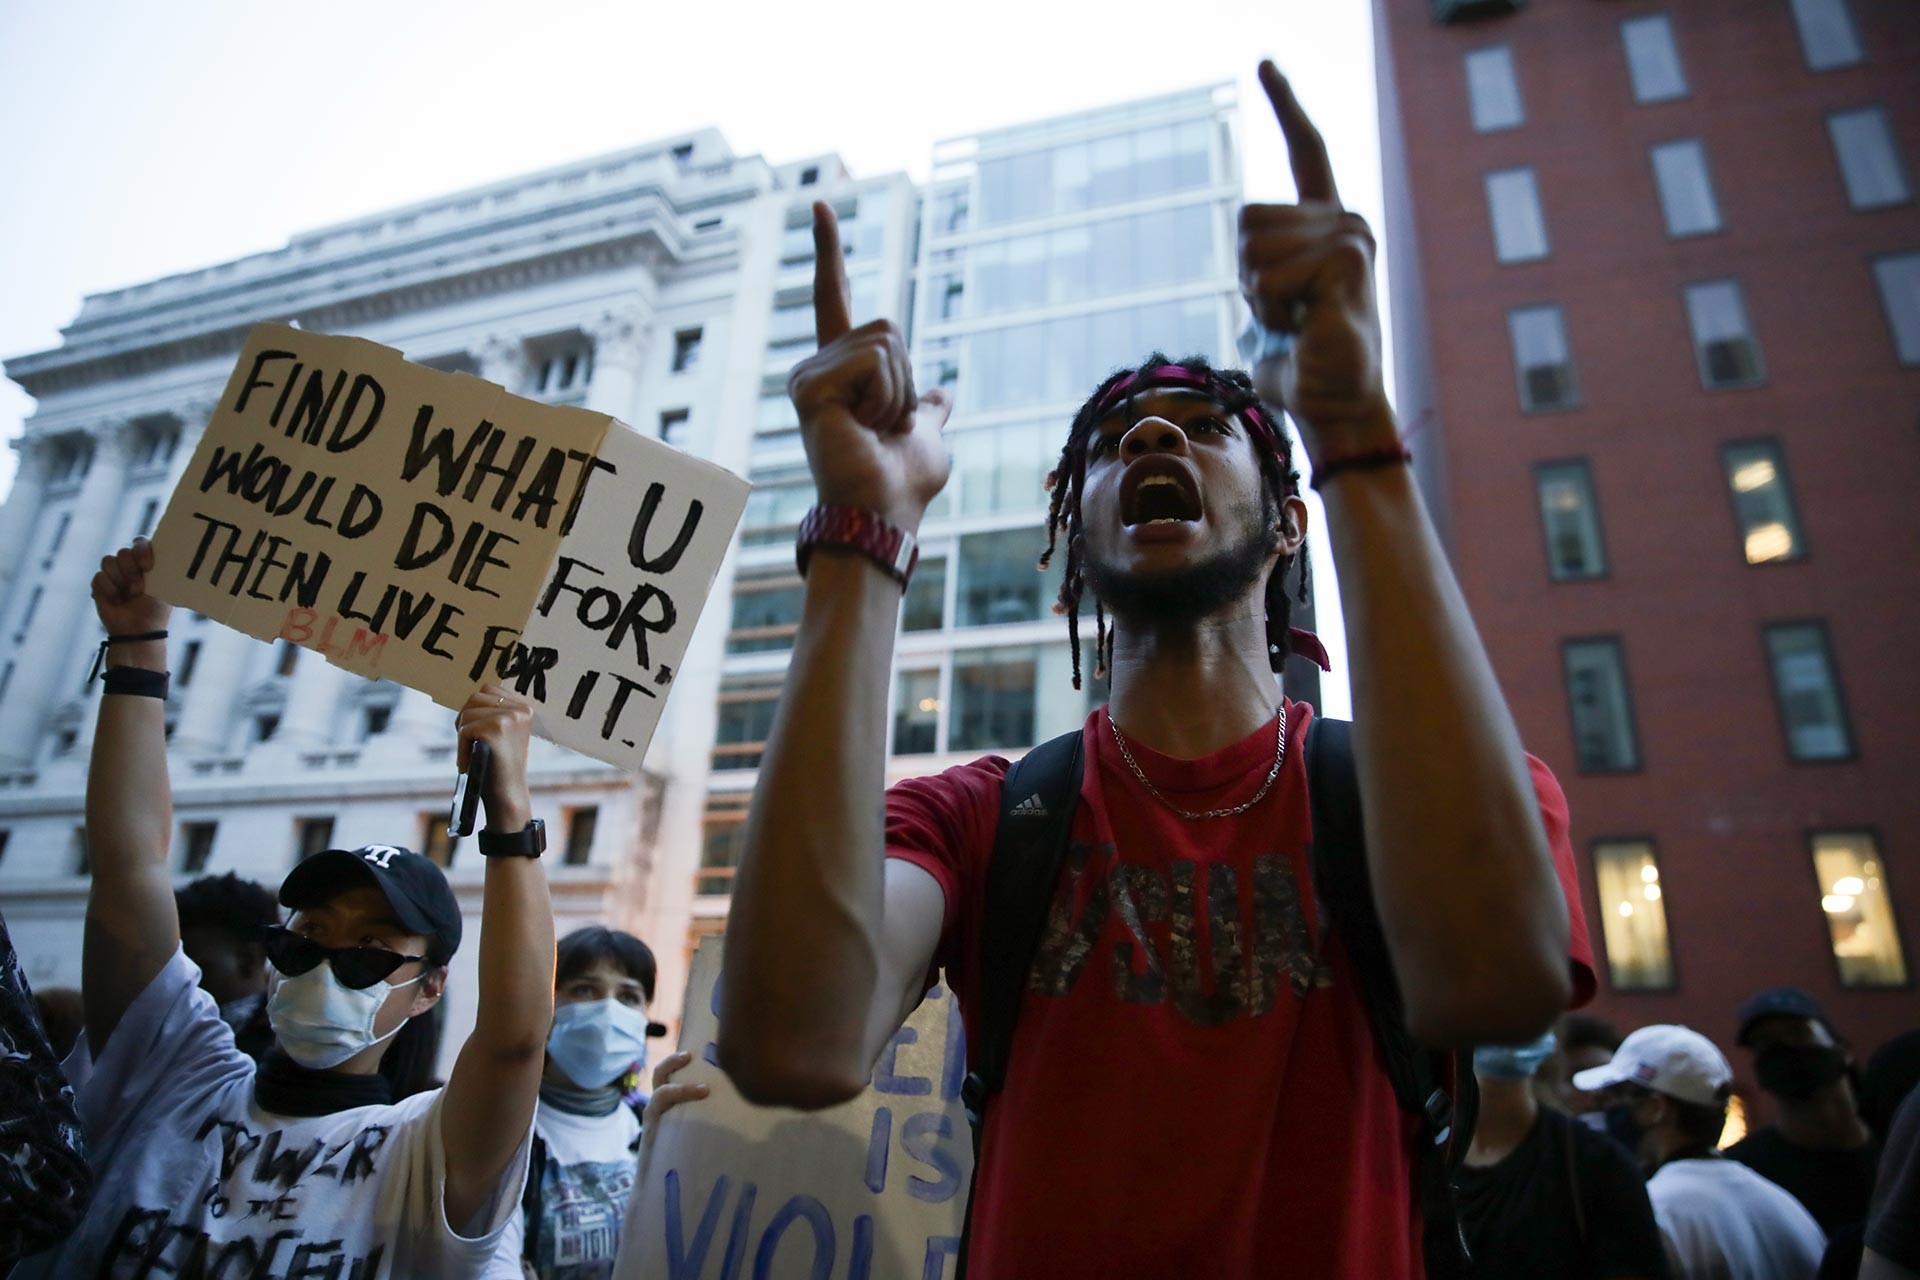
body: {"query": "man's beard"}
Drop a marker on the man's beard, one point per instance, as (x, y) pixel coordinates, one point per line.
(1198, 589)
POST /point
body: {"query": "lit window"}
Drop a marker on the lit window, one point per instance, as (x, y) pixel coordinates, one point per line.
(1898, 276)
(1653, 59)
(925, 606)
(1604, 740)
(1859, 909)
(686, 350)
(1762, 501)
(1869, 161)
(1633, 912)
(581, 824)
(1723, 341)
(916, 713)
(1571, 517)
(1542, 361)
(1827, 35)
(1519, 228)
(196, 845)
(1808, 692)
(1686, 192)
(1494, 90)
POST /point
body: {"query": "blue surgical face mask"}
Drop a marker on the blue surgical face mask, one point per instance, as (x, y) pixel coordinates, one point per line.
(596, 1041)
(1512, 1061)
(321, 1023)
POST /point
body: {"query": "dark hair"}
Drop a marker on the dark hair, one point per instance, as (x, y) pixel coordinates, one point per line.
(1584, 1031)
(588, 945)
(238, 908)
(1698, 1122)
(410, 1062)
(1233, 390)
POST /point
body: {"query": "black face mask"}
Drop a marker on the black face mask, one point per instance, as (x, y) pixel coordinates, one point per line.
(1618, 1123)
(1798, 1071)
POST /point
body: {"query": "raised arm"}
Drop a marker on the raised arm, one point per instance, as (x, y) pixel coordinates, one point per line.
(828, 942)
(496, 1079)
(132, 927)
(1462, 872)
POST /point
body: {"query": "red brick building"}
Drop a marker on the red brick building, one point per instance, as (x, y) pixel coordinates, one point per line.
(1656, 304)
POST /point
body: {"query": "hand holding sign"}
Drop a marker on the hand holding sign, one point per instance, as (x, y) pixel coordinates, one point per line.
(871, 441)
(1307, 269)
(503, 720)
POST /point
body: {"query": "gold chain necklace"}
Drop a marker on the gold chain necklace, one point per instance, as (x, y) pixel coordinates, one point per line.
(1279, 754)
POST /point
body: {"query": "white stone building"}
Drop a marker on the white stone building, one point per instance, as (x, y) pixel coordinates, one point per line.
(670, 286)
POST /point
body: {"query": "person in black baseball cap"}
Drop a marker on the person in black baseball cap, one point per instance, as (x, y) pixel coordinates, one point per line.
(308, 1164)
(1819, 1148)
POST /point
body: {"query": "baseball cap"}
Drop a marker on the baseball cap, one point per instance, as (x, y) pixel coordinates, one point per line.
(1779, 1002)
(413, 886)
(1676, 1061)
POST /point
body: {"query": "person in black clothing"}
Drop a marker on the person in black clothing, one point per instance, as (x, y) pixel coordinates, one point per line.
(45, 1181)
(1543, 1195)
(223, 929)
(1893, 1231)
(1821, 1149)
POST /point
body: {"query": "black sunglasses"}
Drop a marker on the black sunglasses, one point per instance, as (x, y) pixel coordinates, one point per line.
(356, 967)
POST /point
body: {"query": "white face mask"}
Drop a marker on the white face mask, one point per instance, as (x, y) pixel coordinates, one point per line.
(321, 1023)
(594, 1041)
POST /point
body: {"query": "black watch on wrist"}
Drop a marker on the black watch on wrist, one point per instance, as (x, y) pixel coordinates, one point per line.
(528, 843)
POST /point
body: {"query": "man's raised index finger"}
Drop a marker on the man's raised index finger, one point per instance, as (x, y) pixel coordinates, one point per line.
(1306, 150)
(832, 313)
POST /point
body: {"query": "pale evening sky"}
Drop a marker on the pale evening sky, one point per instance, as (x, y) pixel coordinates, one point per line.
(146, 139)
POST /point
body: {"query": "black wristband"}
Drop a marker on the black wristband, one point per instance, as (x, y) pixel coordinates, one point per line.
(1371, 461)
(101, 656)
(137, 681)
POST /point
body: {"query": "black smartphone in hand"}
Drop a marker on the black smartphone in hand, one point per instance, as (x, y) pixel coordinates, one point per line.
(467, 789)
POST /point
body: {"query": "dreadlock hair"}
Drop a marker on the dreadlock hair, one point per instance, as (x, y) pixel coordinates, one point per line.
(1233, 390)
(240, 908)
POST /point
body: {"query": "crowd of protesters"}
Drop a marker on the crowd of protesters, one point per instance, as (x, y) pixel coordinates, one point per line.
(1389, 1085)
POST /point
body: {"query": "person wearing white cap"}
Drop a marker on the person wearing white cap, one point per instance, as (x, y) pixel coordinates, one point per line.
(1667, 1090)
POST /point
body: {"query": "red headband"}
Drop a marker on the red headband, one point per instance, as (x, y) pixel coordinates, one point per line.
(1299, 640)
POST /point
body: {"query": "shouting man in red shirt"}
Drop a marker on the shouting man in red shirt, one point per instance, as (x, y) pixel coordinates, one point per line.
(1194, 1087)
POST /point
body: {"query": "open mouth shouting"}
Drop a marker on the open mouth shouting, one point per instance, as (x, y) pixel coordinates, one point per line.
(1159, 490)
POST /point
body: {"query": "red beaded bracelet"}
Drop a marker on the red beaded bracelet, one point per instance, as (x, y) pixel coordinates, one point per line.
(1372, 460)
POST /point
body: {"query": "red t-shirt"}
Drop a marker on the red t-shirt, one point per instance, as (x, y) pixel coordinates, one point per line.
(1194, 1088)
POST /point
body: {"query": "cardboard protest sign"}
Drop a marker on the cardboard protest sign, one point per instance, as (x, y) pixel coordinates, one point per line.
(433, 529)
(870, 1190)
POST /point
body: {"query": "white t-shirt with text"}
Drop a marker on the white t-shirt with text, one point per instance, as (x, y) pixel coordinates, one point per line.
(1722, 1221)
(584, 1185)
(192, 1178)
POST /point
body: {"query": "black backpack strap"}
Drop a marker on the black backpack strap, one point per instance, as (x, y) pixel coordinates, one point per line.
(1037, 800)
(1419, 1076)
(530, 1197)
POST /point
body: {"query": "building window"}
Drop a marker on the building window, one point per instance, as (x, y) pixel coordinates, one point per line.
(148, 510)
(566, 371)
(1859, 910)
(196, 845)
(745, 719)
(64, 741)
(1870, 164)
(33, 607)
(437, 845)
(375, 720)
(993, 699)
(723, 839)
(686, 350)
(581, 824)
(311, 836)
(1723, 341)
(1762, 501)
(997, 582)
(925, 608)
(1653, 59)
(264, 727)
(1001, 468)
(1494, 90)
(1542, 361)
(673, 427)
(1686, 192)
(766, 609)
(1519, 228)
(5, 836)
(1808, 692)
(810, 175)
(775, 508)
(1898, 276)
(1604, 740)
(1571, 517)
(60, 532)
(916, 713)
(287, 659)
(189, 658)
(1633, 915)
(81, 852)
(1827, 34)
